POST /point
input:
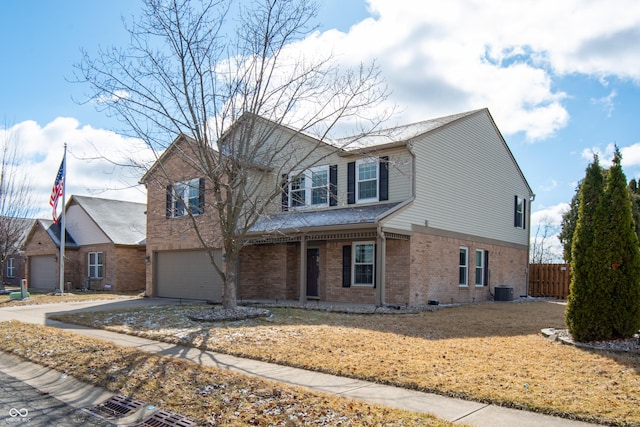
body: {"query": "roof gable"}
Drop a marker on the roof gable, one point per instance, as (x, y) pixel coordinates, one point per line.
(124, 223)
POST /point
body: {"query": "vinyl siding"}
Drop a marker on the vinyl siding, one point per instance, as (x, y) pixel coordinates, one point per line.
(466, 181)
(83, 229)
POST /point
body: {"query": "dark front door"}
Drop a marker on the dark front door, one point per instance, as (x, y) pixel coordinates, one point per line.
(313, 272)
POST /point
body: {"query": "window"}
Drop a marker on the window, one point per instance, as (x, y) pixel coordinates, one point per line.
(185, 197)
(519, 212)
(310, 188)
(10, 267)
(96, 265)
(480, 267)
(463, 266)
(367, 180)
(363, 263)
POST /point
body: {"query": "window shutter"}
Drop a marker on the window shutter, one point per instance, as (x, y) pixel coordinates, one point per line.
(486, 268)
(515, 212)
(201, 196)
(333, 185)
(169, 201)
(285, 193)
(346, 266)
(383, 184)
(524, 212)
(375, 265)
(351, 183)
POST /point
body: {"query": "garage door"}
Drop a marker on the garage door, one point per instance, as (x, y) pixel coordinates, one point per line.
(43, 272)
(188, 274)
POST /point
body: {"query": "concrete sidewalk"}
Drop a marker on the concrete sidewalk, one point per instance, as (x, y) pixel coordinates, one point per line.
(455, 410)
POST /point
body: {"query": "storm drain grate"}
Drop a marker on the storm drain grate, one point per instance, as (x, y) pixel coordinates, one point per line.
(166, 419)
(117, 406)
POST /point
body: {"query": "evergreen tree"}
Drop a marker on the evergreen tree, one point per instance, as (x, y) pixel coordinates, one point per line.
(587, 304)
(618, 244)
(634, 193)
(569, 220)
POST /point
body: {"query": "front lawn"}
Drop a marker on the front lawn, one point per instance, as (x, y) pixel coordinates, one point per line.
(491, 352)
(205, 395)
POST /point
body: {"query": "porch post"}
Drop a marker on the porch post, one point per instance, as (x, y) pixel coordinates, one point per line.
(303, 270)
(381, 257)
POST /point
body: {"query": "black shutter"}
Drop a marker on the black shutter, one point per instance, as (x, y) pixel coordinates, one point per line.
(333, 185)
(285, 193)
(201, 196)
(169, 201)
(486, 268)
(375, 265)
(524, 212)
(346, 266)
(351, 183)
(384, 179)
(515, 212)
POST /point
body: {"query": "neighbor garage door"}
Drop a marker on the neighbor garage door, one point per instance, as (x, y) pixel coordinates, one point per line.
(188, 274)
(42, 272)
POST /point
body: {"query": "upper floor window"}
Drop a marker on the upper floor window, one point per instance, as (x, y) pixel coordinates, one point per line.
(519, 212)
(315, 187)
(96, 265)
(10, 267)
(368, 180)
(185, 197)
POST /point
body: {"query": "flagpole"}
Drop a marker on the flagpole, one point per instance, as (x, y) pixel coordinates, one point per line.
(62, 220)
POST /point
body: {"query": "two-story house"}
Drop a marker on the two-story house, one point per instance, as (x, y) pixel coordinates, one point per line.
(432, 211)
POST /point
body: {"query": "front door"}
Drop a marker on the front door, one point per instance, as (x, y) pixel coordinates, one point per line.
(313, 272)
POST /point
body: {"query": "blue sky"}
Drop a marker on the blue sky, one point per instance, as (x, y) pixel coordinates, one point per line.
(561, 79)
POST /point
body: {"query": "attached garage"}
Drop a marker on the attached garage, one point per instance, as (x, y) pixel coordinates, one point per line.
(43, 272)
(188, 274)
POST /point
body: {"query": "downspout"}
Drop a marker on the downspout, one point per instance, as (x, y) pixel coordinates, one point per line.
(531, 200)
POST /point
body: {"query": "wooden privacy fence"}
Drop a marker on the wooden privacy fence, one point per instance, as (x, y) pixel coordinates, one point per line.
(549, 280)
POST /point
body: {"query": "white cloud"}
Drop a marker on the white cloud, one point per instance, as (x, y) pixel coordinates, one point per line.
(551, 215)
(88, 170)
(607, 102)
(452, 56)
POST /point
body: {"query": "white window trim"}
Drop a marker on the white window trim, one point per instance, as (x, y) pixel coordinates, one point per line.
(308, 187)
(95, 265)
(466, 266)
(10, 268)
(479, 256)
(184, 198)
(359, 162)
(353, 264)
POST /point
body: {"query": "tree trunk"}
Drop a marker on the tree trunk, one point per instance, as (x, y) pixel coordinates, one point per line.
(229, 294)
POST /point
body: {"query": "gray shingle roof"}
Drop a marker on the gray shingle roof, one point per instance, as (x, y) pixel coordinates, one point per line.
(124, 223)
(300, 220)
(53, 230)
(398, 133)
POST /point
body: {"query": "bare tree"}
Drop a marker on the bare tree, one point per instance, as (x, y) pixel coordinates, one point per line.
(231, 93)
(542, 250)
(16, 200)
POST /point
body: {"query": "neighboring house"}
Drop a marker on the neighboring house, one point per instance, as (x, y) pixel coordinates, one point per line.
(104, 247)
(12, 236)
(432, 211)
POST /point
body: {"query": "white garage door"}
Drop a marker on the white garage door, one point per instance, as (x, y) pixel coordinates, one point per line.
(43, 272)
(188, 274)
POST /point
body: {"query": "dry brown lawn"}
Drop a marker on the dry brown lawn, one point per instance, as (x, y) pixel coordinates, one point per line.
(490, 352)
(206, 395)
(42, 297)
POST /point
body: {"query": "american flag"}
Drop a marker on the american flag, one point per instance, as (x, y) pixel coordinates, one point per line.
(56, 191)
